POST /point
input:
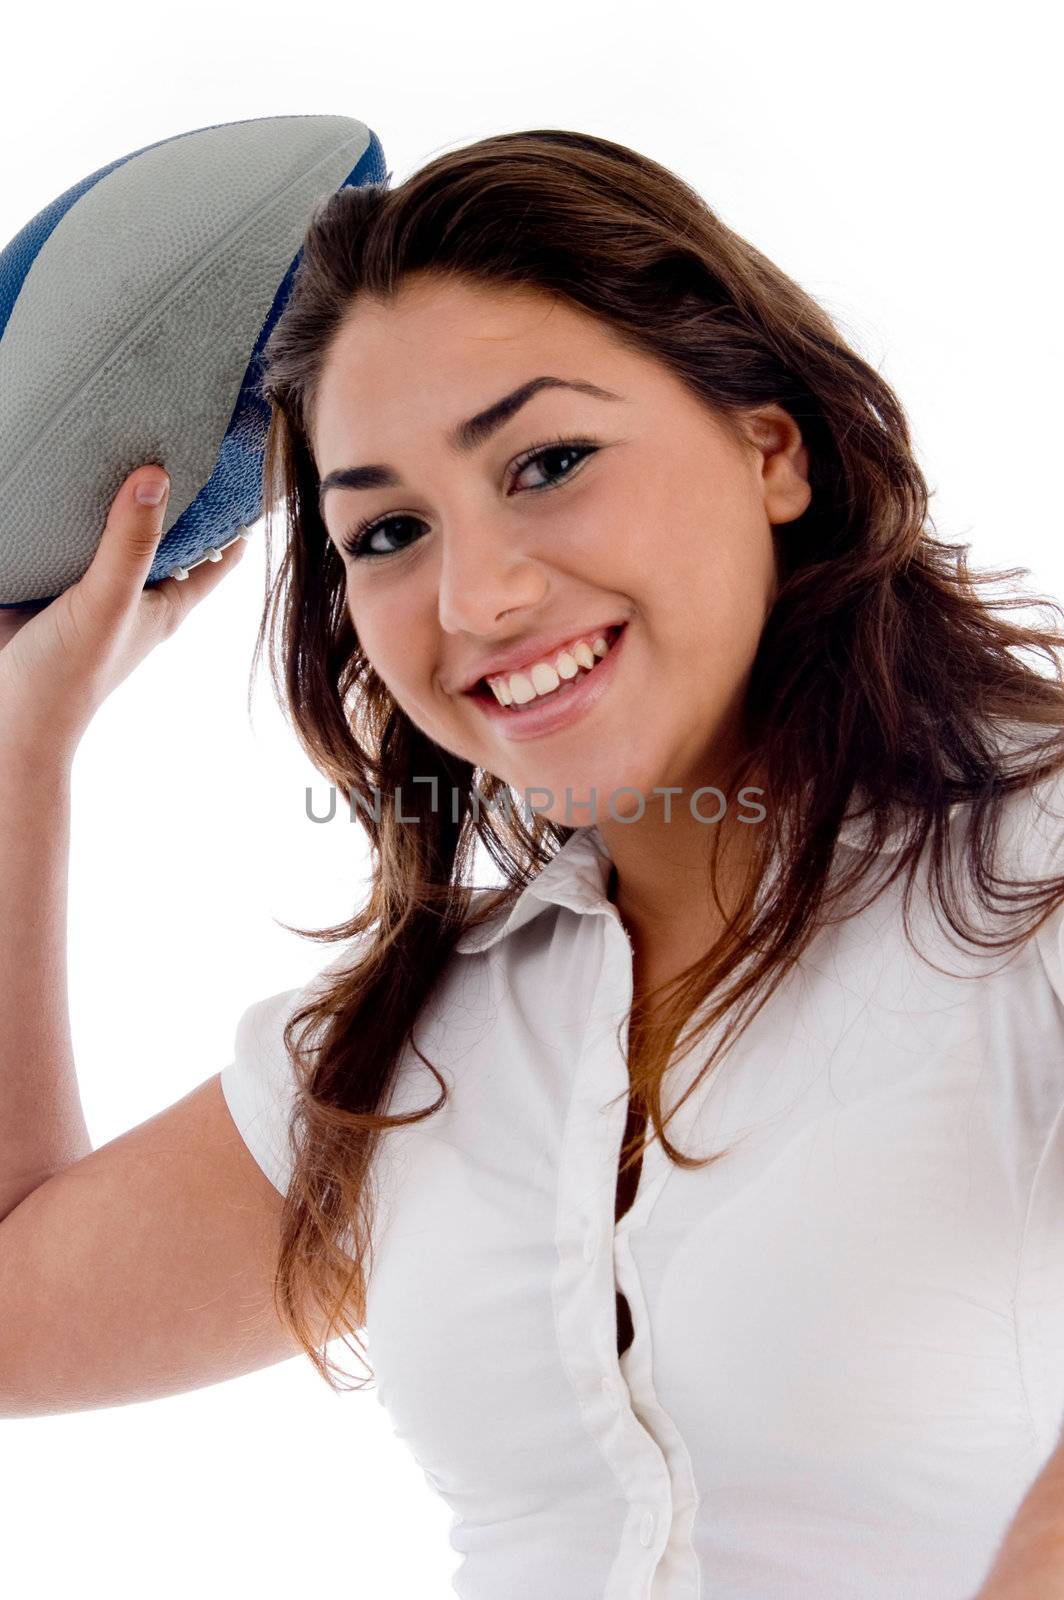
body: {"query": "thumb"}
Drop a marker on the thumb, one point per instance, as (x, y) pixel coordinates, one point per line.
(130, 539)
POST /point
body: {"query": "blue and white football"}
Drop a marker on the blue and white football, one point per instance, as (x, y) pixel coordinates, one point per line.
(133, 312)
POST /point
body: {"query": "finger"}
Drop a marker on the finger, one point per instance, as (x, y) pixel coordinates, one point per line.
(131, 535)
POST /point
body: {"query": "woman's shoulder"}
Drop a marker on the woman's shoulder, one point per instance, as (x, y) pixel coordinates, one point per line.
(260, 1027)
(1030, 828)
(1030, 850)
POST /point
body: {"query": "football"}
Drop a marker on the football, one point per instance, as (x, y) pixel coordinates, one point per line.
(133, 313)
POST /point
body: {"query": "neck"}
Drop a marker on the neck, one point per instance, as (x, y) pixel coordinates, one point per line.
(660, 883)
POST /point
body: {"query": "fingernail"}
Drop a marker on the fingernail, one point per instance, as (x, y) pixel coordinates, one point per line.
(150, 491)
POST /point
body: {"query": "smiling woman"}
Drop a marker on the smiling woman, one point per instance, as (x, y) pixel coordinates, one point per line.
(526, 566)
(589, 503)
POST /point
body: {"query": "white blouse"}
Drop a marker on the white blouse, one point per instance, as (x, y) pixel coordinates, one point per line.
(848, 1354)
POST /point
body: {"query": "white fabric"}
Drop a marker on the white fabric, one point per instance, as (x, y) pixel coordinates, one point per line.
(848, 1362)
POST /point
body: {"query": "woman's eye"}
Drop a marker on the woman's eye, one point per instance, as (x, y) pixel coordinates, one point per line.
(357, 543)
(560, 449)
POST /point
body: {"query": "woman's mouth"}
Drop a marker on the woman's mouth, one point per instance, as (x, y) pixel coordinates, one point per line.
(560, 706)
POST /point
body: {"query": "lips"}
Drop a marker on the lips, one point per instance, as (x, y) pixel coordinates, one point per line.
(553, 714)
(482, 691)
(610, 631)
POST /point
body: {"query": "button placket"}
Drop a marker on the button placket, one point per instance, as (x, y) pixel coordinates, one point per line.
(665, 1518)
(584, 1295)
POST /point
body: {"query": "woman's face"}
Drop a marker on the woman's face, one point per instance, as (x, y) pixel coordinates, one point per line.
(656, 518)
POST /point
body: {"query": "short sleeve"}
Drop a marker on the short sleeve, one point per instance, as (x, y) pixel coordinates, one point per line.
(259, 1083)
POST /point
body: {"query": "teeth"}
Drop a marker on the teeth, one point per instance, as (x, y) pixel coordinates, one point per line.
(544, 678)
(518, 688)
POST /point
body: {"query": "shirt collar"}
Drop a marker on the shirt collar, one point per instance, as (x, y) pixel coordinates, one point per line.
(854, 832)
(577, 877)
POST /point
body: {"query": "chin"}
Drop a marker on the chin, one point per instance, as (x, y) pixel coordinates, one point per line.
(581, 802)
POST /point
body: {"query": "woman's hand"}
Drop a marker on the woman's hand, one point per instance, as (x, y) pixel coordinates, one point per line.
(60, 659)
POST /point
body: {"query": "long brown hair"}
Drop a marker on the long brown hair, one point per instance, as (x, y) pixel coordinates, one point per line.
(881, 671)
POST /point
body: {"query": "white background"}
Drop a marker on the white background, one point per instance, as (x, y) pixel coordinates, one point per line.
(903, 165)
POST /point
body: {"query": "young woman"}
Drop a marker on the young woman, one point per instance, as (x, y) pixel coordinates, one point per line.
(696, 1190)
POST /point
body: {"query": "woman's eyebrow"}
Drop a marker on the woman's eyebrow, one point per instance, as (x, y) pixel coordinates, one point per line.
(466, 436)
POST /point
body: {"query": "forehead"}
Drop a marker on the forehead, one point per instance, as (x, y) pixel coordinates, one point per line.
(442, 349)
(433, 317)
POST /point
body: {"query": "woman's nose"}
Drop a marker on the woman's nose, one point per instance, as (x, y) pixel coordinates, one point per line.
(483, 575)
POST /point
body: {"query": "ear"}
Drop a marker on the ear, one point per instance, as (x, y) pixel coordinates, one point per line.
(782, 462)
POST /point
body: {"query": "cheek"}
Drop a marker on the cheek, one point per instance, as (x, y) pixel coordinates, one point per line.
(712, 597)
(394, 643)
(381, 631)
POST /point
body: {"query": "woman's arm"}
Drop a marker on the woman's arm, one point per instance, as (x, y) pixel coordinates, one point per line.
(42, 1127)
(1030, 1562)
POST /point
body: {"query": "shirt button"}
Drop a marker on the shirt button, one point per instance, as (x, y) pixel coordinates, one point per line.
(646, 1529)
